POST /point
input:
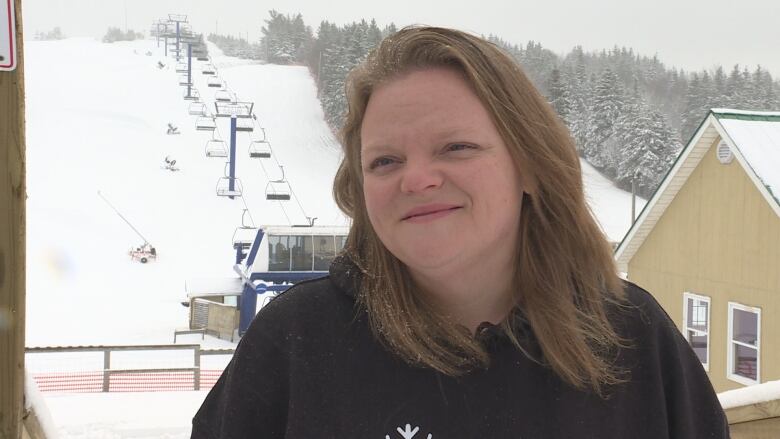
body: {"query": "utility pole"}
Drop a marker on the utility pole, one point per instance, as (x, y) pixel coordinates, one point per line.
(13, 192)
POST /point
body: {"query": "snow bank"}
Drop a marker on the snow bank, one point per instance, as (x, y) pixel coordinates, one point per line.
(756, 394)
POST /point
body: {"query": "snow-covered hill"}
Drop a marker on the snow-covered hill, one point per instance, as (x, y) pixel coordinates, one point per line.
(96, 121)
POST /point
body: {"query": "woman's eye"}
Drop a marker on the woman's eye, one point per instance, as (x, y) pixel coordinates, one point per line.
(459, 146)
(381, 161)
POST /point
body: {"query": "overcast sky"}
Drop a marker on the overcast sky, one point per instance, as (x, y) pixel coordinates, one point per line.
(691, 34)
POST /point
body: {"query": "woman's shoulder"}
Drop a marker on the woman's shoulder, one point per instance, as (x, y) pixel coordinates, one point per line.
(641, 312)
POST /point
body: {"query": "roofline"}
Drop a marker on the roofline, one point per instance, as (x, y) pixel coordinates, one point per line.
(620, 254)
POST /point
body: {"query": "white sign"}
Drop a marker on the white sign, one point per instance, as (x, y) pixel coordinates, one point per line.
(7, 35)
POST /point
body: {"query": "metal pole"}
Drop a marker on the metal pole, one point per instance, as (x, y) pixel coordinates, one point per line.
(232, 180)
(178, 49)
(106, 368)
(189, 70)
(319, 74)
(125, 219)
(633, 201)
(166, 46)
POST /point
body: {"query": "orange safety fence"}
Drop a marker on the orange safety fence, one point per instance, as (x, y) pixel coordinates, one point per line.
(125, 381)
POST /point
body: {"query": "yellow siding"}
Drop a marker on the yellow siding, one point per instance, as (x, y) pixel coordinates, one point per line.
(719, 238)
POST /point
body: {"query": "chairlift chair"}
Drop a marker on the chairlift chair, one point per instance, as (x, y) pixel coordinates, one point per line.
(206, 123)
(197, 109)
(245, 125)
(216, 148)
(182, 67)
(215, 82)
(260, 149)
(208, 69)
(277, 191)
(244, 235)
(225, 96)
(184, 80)
(223, 187)
(193, 96)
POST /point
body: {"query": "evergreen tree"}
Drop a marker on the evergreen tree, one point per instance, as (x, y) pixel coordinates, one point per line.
(559, 96)
(607, 104)
(648, 153)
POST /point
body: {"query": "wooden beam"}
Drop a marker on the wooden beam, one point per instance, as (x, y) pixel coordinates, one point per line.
(753, 412)
(12, 242)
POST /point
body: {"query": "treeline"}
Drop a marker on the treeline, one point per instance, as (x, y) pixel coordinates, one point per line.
(115, 34)
(629, 114)
(54, 34)
(238, 47)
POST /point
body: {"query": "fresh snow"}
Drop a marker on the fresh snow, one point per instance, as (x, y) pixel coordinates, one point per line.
(759, 144)
(96, 121)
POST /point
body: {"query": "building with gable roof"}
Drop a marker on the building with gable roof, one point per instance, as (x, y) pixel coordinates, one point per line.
(707, 246)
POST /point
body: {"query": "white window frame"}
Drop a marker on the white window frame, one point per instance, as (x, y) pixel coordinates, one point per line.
(730, 345)
(692, 296)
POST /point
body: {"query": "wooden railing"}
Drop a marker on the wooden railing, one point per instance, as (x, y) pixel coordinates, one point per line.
(110, 379)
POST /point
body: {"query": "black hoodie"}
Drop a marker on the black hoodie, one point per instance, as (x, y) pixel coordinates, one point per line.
(309, 367)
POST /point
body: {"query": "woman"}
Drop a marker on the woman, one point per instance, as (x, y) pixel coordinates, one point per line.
(477, 297)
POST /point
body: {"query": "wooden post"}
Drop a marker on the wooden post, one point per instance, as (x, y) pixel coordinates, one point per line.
(12, 242)
(107, 370)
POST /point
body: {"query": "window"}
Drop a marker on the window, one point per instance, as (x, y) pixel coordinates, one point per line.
(278, 253)
(300, 248)
(696, 325)
(324, 251)
(744, 347)
(340, 241)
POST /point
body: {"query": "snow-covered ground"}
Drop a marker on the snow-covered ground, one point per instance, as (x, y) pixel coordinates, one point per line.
(96, 121)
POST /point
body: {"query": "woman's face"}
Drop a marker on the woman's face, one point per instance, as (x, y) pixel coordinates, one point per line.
(440, 187)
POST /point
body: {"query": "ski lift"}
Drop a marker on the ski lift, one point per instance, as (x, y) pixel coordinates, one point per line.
(206, 123)
(215, 82)
(245, 125)
(197, 109)
(223, 187)
(244, 236)
(182, 67)
(216, 148)
(208, 69)
(278, 190)
(225, 96)
(193, 96)
(260, 149)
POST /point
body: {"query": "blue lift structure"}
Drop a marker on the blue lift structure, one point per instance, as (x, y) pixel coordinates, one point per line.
(240, 114)
(270, 281)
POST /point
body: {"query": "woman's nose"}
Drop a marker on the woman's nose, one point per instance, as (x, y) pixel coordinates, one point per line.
(420, 176)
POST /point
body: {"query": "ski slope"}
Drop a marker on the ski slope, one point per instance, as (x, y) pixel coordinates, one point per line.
(96, 121)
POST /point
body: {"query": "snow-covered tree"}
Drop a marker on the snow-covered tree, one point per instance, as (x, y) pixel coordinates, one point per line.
(606, 108)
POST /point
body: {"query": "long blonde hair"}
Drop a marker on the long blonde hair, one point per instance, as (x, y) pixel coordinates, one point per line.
(565, 269)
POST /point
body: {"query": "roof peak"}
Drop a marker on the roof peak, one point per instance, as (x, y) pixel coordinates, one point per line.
(729, 113)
